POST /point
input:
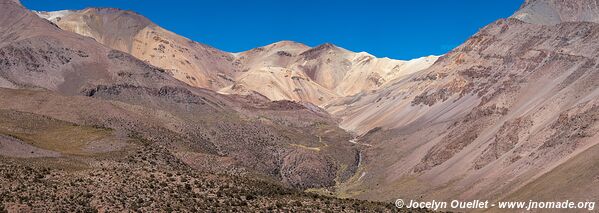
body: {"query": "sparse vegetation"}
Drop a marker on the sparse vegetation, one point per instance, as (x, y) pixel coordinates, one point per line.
(141, 187)
(48, 133)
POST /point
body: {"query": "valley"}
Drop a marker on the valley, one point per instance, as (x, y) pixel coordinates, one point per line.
(102, 109)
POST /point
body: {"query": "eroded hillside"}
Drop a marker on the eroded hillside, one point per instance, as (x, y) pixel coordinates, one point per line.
(92, 109)
(284, 70)
(512, 103)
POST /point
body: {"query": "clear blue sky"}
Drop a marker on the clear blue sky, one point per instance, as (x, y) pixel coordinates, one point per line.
(398, 29)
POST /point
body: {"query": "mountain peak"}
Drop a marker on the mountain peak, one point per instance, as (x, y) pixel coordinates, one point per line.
(552, 12)
(326, 46)
(118, 14)
(53, 16)
(127, 17)
(104, 10)
(320, 49)
(94, 22)
(287, 43)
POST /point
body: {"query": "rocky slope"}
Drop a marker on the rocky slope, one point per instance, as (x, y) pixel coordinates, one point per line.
(191, 62)
(80, 101)
(150, 189)
(292, 71)
(552, 12)
(510, 114)
(281, 71)
(490, 120)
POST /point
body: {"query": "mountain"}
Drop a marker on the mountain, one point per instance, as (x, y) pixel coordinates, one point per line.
(284, 70)
(191, 62)
(267, 70)
(510, 114)
(558, 11)
(292, 71)
(85, 127)
(35, 54)
(98, 105)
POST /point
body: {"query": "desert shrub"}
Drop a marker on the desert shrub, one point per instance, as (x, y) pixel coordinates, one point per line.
(2, 209)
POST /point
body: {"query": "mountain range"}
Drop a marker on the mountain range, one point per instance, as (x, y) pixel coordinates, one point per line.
(510, 114)
(284, 70)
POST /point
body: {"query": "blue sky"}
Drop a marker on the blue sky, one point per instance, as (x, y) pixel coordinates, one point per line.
(386, 28)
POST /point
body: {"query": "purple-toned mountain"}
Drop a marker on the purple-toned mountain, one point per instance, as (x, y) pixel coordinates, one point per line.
(506, 115)
(552, 12)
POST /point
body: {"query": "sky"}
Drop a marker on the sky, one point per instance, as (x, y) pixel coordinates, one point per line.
(398, 29)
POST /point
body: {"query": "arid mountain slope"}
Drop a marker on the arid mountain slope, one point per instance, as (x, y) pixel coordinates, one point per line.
(508, 106)
(551, 12)
(72, 78)
(281, 71)
(191, 62)
(74, 153)
(292, 71)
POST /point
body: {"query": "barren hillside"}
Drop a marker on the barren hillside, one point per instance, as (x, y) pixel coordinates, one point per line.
(83, 107)
(191, 62)
(104, 94)
(505, 108)
(284, 70)
(292, 71)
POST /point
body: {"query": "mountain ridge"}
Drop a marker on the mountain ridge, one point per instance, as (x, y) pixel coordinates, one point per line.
(497, 109)
(503, 116)
(191, 62)
(317, 74)
(72, 78)
(243, 72)
(552, 12)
